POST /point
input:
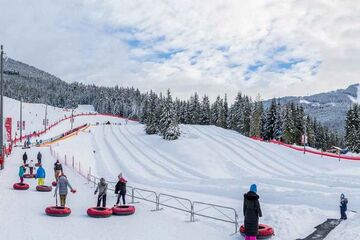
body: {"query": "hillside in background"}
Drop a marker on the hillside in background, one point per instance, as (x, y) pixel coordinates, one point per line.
(328, 108)
(34, 85)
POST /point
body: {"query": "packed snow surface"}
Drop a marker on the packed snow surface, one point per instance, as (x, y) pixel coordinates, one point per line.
(207, 163)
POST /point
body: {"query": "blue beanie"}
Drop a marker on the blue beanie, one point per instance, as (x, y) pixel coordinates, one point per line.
(253, 188)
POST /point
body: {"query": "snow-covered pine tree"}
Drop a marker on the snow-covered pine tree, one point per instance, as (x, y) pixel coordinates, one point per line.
(169, 128)
(352, 129)
(205, 113)
(151, 116)
(195, 109)
(270, 121)
(255, 120)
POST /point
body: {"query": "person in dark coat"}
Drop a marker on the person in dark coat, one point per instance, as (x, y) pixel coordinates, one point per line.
(343, 206)
(120, 189)
(58, 169)
(252, 212)
(39, 157)
(25, 158)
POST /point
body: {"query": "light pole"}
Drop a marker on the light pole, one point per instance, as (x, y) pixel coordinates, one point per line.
(72, 118)
(45, 121)
(21, 121)
(305, 140)
(1, 105)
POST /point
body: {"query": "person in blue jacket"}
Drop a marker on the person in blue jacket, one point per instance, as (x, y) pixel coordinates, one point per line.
(40, 175)
(343, 206)
(21, 173)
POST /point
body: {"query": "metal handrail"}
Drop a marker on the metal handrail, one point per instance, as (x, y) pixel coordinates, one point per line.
(217, 208)
(187, 209)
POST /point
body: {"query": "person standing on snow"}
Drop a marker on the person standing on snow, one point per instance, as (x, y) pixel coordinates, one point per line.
(39, 157)
(343, 206)
(22, 170)
(102, 189)
(63, 185)
(120, 189)
(40, 175)
(57, 169)
(252, 212)
(25, 158)
(31, 167)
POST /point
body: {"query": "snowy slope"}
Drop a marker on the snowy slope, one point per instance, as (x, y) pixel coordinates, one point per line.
(207, 163)
(23, 215)
(216, 165)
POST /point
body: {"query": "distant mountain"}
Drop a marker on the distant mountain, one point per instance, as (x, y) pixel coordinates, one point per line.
(329, 108)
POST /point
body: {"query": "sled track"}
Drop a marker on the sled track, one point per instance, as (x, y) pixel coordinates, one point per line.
(168, 159)
(254, 166)
(171, 172)
(133, 158)
(291, 169)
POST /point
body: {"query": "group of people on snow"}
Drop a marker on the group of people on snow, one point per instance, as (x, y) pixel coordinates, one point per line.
(63, 184)
(120, 190)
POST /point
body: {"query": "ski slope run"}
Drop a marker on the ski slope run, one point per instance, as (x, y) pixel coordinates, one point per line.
(216, 165)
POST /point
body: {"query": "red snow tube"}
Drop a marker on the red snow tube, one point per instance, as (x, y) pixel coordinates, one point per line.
(123, 210)
(54, 183)
(56, 211)
(28, 175)
(43, 188)
(21, 186)
(265, 231)
(99, 212)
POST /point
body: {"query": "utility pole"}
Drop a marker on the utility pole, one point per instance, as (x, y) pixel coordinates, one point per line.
(72, 118)
(45, 121)
(21, 123)
(305, 140)
(2, 104)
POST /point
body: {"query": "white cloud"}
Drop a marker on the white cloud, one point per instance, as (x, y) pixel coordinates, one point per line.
(274, 48)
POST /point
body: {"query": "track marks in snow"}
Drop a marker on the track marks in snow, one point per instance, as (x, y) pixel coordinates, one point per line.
(251, 166)
(151, 151)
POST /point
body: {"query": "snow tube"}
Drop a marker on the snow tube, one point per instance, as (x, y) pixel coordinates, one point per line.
(99, 212)
(54, 183)
(21, 186)
(28, 175)
(56, 211)
(123, 210)
(43, 188)
(265, 231)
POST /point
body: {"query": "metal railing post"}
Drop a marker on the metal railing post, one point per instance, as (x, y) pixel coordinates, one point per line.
(73, 162)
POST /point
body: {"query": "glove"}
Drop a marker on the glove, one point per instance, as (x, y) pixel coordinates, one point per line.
(73, 190)
(95, 193)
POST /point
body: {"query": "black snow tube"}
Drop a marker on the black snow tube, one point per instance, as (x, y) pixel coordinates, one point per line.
(21, 186)
(56, 211)
(99, 212)
(28, 175)
(43, 188)
(123, 210)
(265, 231)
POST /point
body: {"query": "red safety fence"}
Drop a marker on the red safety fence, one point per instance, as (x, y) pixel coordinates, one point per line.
(326, 154)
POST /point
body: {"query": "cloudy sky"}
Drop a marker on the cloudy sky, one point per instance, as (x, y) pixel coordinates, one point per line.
(272, 48)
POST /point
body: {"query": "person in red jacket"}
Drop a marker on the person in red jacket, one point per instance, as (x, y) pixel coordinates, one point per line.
(120, 189)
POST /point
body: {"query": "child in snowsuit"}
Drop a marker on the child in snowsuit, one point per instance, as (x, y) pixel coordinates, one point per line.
(252, 212)
(31, 167)
(57, 169)
(102, 189)
(21, 173)
(343, 206)
(40, 175)
(120, 189)
(63, 185)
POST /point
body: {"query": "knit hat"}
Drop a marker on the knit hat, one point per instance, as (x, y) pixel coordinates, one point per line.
(253, 188)
(120, 175)
(342, 196)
